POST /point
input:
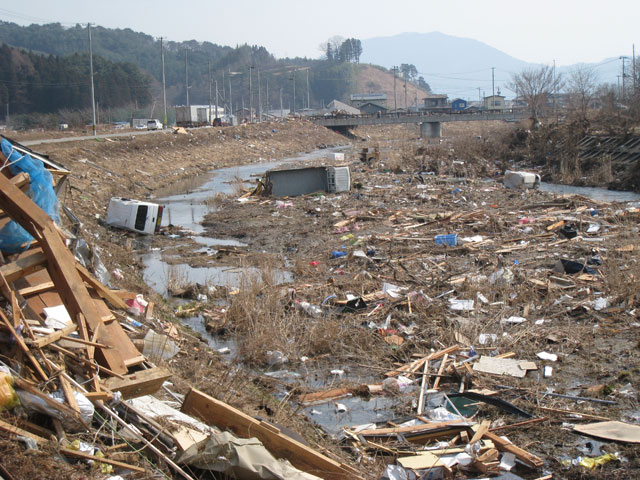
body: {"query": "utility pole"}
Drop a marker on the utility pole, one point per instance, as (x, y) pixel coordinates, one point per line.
(164, 87)
(281, 109)
(250, 96)
(217, 102)
(93, 96)
(634, 69)
(186, 77)
(493, 87)
(308, 94)
(293, 79)
(405, 95)
(210, 119)
(267, 96)
(259, 99)
(230, 96)
(395, 93)
(623, 58)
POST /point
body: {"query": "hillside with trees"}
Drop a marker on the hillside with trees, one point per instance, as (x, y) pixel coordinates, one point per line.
(45, 69)
(33, 82)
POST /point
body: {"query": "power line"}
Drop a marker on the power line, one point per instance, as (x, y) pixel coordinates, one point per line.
(32, 18)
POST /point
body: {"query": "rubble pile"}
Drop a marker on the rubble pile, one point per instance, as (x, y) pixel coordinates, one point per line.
(505, 297)
(489, 328)
(77, 370)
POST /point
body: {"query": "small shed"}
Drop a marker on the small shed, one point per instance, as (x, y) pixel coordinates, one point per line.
(459, 104)
(371, 108)
(494, 102)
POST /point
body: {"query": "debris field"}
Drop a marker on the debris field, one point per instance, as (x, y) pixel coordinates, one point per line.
(498, 325)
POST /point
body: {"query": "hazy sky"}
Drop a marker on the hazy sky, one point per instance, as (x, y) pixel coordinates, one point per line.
(569, 31)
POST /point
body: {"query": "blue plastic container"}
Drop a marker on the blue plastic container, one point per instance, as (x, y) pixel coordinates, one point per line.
(451, 239)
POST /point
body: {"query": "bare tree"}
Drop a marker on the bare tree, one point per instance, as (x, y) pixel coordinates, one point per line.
(581, 88)
(535, 86)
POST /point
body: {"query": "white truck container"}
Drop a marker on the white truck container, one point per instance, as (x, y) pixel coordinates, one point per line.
(338, 179)
(134, 215)
(521, 179)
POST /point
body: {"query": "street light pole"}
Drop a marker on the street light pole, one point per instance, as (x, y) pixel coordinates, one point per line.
(93, 97)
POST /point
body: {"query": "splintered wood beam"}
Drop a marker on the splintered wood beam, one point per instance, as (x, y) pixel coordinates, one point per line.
(12, 429)
(102, 290)
(64, 410)
(61, 266)
(53, 337)
(108, 461)
(23, 346)
(223, 416)
(36, 289)
(23, 266)
(144, 382)
(525, 457)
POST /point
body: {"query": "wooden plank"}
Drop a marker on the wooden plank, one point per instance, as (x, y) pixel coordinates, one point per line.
(323, 396)
(102, 290)
(24, 266)
(76, 454)
(436, 383)
(415, 365)
(23, 346)
(99, 396)
(12, 429)
(148, 314)
(144, 382)
(43, 287)
(53, 337)
(482, 429)
(61, 266)
(424, 385)
(223, 416)
(412, 429)
(64, 410)
(68, 393)
(522, 455)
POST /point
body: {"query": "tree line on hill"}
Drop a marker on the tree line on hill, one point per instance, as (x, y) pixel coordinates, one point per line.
(45, 68)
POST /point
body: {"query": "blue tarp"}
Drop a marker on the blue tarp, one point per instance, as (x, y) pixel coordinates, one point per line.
(14, 238)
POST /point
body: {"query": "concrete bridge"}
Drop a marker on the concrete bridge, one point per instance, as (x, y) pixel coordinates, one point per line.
(430, 123)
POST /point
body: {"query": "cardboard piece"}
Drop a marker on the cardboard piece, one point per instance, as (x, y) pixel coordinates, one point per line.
(613, 430)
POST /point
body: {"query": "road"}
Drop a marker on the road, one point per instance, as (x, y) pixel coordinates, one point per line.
(30, 143)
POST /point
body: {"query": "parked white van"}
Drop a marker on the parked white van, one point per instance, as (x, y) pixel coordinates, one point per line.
(154, 124)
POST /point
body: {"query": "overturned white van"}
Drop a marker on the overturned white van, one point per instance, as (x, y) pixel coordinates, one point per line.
(134, 215)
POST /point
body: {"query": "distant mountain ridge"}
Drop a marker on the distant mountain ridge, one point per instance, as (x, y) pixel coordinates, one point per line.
(458, 66)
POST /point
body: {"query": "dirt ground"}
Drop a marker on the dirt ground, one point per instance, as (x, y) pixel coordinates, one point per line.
(415, 190)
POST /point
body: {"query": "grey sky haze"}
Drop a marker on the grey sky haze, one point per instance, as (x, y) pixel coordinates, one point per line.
(540, 31)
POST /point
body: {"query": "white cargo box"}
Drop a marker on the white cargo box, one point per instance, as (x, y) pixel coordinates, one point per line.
(521, 179)
(338, 156)
(134, 215)
(338, 179)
